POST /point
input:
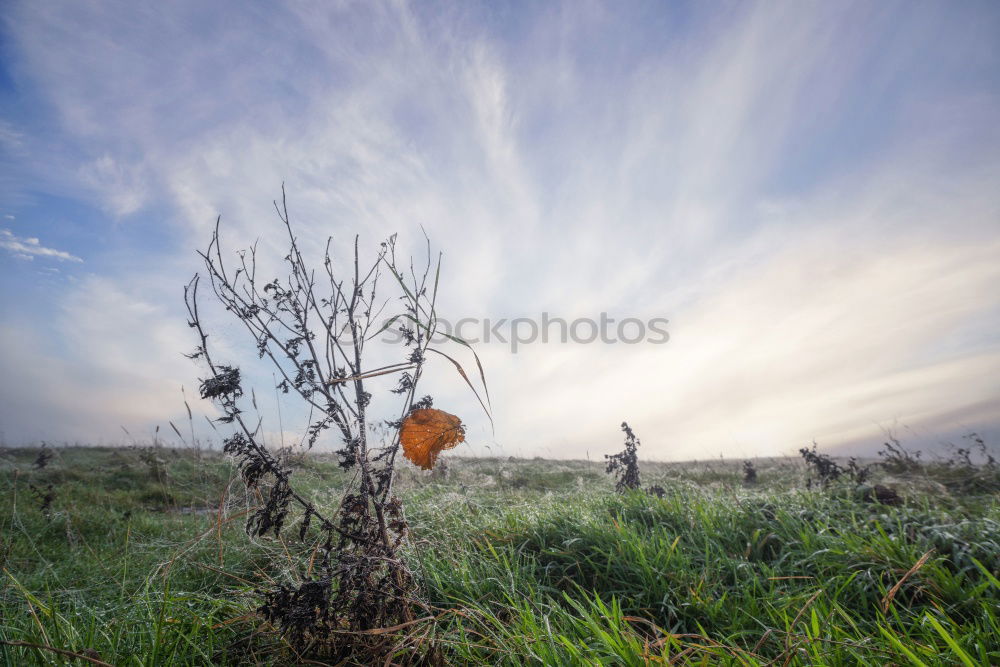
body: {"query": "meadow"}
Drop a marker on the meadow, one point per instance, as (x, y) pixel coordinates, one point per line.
(138, 556)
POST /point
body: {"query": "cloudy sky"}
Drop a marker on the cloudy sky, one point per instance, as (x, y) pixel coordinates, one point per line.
(806, 191)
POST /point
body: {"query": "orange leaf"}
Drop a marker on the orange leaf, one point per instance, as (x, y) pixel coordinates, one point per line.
(426, 433)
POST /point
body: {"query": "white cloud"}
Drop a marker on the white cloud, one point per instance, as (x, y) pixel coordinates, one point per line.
(110, 358)
(122, 186)
(29, 247)
(805, 344)
(821, 244)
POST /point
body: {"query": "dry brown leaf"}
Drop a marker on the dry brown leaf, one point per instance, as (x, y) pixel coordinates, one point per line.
(426, 433)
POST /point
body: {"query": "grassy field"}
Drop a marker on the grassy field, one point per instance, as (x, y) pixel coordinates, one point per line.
(139, 557)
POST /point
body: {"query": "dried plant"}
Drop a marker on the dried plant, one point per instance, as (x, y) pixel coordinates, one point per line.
(44, 456)
(858, 473)
(895, 458)
(315, 330)
(980, 445)
(749, 473)
(625, 464)
(822, 465)
(962, 457)
(426, 432)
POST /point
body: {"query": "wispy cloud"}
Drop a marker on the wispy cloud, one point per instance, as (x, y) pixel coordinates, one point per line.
(30, 247)
(108, 357)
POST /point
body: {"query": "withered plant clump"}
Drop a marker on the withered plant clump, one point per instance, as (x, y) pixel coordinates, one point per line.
(896, 459)
(827, 470)
(749, 473)
(43, 458)
(823, 466)
(859, 473)
(962, 457)
(315, 328)
(625, 464)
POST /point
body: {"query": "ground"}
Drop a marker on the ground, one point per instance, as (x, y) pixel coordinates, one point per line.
(138, 557)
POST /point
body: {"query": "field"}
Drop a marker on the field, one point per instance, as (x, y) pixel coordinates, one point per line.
(139, 557)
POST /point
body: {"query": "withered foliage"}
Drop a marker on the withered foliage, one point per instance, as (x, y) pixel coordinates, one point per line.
(313, 327)
(427, 432)
(44, 456)
(822, 466)
(859, 473)
(896, 459)
(824, 469)
(625, 464)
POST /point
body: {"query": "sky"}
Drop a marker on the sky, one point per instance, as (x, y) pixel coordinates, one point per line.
(806, 192)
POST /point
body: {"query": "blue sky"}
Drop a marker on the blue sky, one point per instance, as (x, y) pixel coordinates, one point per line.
(806, 190)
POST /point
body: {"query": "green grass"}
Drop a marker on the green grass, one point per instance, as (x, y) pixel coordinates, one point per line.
(520, 562)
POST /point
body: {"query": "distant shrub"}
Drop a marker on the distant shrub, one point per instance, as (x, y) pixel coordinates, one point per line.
(43, 458)
(962, 457)
(822, 466)
(896, 459)
(625, 464)
(858, 473)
